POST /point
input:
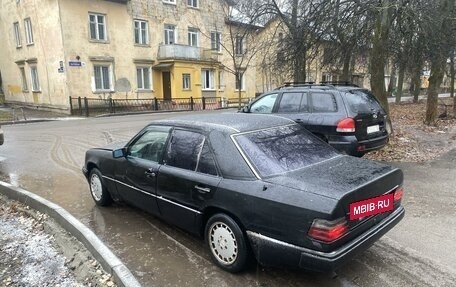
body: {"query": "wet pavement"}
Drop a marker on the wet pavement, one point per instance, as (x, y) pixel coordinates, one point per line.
(46, 158)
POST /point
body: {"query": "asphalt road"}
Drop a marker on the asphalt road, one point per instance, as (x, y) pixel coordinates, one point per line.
(46, 158)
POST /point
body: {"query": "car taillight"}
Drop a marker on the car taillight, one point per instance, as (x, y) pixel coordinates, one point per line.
(346, 125)
(328, 231)
(398, 194)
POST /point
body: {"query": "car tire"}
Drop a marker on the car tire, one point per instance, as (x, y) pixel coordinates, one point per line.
(227, 243)
(98, 190)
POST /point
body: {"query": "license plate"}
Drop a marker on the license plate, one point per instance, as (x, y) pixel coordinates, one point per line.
(371, 206)
(373, 129)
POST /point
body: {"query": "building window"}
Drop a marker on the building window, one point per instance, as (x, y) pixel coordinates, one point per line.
(143, 78)
(170, 34)
(239, 49)
(192, 3)
(141, 32)
(193, 37)
(186, 82)
(97, 25)
(17, 34)
(327, 77)
(169, 1)
(208, 79)
(102, 77)
(240, 82)
(28, 31)
(35, 79)
(216, 40)
(24, 79)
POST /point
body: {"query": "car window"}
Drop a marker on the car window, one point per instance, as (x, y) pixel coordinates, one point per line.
(206, 163)
(362, 101)
(149, 146)
(264, 105)
(184, 149)
(281, 149)
(293, 102)
(323, 103)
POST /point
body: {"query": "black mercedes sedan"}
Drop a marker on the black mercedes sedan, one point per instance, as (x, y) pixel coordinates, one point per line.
(252, 185)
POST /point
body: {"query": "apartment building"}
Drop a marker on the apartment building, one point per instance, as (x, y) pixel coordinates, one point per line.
(55, 49)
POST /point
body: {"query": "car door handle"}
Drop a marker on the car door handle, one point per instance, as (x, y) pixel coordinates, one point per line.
(202, 189)
(150, 172)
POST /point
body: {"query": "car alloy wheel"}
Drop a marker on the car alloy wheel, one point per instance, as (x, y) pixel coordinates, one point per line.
(96, 187)
(227, 243)
(98, 190)
(223, 243)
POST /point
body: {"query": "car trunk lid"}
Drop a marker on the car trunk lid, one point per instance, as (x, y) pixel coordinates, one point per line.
(344, 178)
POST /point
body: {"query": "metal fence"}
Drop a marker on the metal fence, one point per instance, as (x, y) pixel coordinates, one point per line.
(96, 106)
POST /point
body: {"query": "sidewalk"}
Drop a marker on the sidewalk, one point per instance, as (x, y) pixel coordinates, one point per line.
(15, 114)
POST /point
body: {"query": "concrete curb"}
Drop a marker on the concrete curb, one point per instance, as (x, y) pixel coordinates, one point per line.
(110, 262)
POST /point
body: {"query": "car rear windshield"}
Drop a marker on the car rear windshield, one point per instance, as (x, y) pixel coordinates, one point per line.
(282, 149)
(362, 101)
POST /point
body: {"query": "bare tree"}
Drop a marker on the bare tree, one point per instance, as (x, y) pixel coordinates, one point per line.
(441, 38)
(347, 37)
(306, 22)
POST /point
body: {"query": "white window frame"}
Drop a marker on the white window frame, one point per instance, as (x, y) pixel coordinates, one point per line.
(35, 80)
(242, 87)
(192, 3)
(17, 34)
(141, 84)
(169, 2)
(104, 87)
(193, 32)
(142, 32)
(208, 79)
(168, 29)
(28, 31)
(186, 82)
(23, 79)
(97, 27)
(327, 77)
(216, 41)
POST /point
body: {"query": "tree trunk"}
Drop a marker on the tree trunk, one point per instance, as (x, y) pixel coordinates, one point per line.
(379, 54)
(452, 75)
(400, 82)
(438, 61)
(346, 68)
(238, 79)
(435, 80)
(416, 85)
(392, 81)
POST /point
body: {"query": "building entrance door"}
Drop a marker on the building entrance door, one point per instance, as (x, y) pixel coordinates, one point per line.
(166, 86)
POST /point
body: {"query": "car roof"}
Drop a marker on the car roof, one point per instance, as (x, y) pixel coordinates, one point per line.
(231, 123)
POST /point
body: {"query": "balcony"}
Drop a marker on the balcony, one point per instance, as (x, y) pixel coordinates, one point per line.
(184, 52)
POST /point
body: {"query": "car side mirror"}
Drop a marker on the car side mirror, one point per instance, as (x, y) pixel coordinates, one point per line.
(246, 109)
(118, 153)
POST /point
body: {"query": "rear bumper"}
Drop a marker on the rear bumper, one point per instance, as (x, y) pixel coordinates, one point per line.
(272, 252)
(350, 144)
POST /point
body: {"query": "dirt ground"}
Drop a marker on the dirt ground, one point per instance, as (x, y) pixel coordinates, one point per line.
(412, 140)
(35, 251)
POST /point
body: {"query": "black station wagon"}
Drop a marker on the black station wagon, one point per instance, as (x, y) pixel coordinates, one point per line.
(347, 117)
(251, 185)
